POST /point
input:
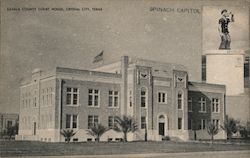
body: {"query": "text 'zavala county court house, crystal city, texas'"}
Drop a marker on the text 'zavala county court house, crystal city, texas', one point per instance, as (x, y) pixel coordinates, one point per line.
(157, 95)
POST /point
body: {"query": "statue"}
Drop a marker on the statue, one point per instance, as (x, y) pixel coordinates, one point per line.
(223, 29)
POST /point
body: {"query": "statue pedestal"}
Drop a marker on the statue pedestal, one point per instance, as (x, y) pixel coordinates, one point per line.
(226, 67)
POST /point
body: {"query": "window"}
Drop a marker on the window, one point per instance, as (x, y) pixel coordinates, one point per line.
(179, 123)
(71, 121)
(111, 122)
(68, 120)
(113, 99)
(143, 98)
(75, 139)
(74, 123)
(130, 99)
(89, 139)
(72, 96)
(216, 122)
(93, 97)
(203, 124)
(9, 124)
(92, 121)
(215, 105)
(190, 104)
(47, 96)
(179, 97)
(162, 97)
(202, 104)
(190, 124)
(143, 122)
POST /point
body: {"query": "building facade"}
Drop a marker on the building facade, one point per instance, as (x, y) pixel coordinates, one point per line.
(158, 96)
(7, 120)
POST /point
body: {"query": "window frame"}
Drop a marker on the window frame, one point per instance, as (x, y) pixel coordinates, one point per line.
(71, 121)
(113, 96)
(180, 99)
(203, 124)
(160, 97)
(214, 104)
(71, 94)
(190, 104)
(92, 120)
(216, 122)
(203, 105)
(112, 121)
(93, 95)
(143, 89)
(181, 121)
(190, 124)
(143, 123)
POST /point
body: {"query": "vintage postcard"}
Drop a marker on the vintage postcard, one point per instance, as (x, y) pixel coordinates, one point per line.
(124, 78)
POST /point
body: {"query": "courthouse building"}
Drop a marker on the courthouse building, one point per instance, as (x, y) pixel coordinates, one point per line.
(158, 96)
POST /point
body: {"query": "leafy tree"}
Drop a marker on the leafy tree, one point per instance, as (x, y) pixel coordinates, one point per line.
(230, 126)
(125, 125)
(212, 130)
(68, 134)
(97, 131)
(11, 131)
(244, 130)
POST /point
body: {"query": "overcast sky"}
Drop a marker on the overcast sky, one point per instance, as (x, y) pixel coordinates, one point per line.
(46, 39)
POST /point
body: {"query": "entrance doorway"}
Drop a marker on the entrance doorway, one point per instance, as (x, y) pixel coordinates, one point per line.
(162, 129)
(34, 130)
(161, 125)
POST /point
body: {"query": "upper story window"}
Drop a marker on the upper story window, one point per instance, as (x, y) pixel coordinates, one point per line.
(94, 97)
(190, 104)
(180, 100)
(202, 104)
(143, 97)
(71, 121)
(215, 105)
(72, 96)
(162, 97)
(113, 99)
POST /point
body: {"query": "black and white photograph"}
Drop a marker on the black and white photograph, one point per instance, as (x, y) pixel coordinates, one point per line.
(124, 78)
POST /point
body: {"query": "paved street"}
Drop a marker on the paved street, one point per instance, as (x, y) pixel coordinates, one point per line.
(216, 154)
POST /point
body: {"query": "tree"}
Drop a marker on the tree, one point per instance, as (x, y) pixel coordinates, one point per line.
(97, 131)
(244, 129)
(125, 125)
(212, 130)
(248, 128)
(230, 126)
(11, 131)
(68, 134)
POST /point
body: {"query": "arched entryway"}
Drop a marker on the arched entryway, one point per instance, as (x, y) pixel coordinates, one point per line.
(162, 125)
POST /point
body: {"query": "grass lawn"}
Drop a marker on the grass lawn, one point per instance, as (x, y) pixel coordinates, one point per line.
(32, 148)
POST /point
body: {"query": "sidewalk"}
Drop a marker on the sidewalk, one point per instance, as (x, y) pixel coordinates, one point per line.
(217, 154)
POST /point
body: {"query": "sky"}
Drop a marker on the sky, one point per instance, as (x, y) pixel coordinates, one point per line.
(46, 39)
